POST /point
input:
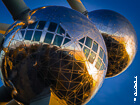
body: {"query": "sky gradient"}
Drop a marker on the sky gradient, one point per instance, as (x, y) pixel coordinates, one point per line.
(120, 89)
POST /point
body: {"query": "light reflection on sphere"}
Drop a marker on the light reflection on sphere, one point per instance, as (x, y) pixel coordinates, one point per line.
(120, 39)
(62, 50)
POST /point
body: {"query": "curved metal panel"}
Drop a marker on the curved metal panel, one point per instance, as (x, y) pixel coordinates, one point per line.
(120, 39)
(60, 49)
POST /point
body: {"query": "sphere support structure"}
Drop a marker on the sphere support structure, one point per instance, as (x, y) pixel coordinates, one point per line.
(78, 6)
(17, 8)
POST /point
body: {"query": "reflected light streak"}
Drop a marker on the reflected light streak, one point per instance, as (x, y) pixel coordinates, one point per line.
(92, 70)
(129, 47)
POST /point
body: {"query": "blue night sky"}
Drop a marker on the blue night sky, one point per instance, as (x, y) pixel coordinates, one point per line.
(118, 90)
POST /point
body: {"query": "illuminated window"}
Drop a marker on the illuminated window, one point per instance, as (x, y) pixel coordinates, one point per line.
(104, 59)
(48, 38)
(66, 40)
(102, 66)
(52, 27)
(98, 63)
(101, 53)
(32, 26)
(41, 24)
(24, 27)
(58, 40)
(37, 36)
(60, 30)
(86, 51)
(82, 40)
(28, 35)
(88, 42)
(92, 57)
(67, 35)
(22, 33)
(95, 47)
(81, 45)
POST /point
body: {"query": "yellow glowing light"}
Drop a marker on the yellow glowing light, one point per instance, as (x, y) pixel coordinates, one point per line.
(2, 32)
(54, 100)
(43, 7)
(79, 1)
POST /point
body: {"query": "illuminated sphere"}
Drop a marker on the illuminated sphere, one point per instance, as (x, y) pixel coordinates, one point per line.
(60, 49)
(120, 39)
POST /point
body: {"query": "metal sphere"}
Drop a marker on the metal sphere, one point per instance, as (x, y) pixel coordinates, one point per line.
(60, 49)
(120, 39)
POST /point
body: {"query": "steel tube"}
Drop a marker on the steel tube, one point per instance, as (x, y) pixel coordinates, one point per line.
(78, 6)
(17, 8)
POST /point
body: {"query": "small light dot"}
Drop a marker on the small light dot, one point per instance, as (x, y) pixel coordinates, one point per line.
(134, 99)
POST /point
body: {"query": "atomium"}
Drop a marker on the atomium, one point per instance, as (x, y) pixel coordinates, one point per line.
(120, 39)
(60, 49)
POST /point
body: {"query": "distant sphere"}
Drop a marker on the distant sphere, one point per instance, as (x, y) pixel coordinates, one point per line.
(60, 49)
(120, 38)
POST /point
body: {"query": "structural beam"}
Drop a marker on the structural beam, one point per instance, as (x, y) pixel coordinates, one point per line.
(1, 40)
(17, 8)
(12, 102)
(78, 6)
(3, 27)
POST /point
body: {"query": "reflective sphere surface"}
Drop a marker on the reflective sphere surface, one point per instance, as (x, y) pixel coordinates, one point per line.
(120, 39)
(60, 49)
